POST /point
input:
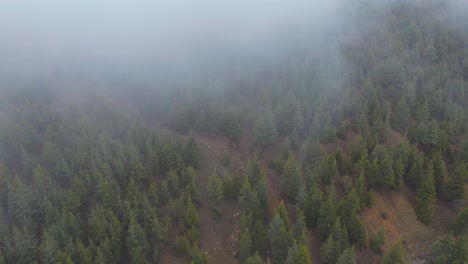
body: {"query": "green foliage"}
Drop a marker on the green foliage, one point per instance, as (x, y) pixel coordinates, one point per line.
(282, 213)
(232, 185)
(280, 239)
(303, 255)
(395, 254)
(329, 170)
(255, 259)
(226, 159)
(245, 244)
(455, 189)
(425, 197)
(292, 176)
(347, 257)
(259, 236)
(438, 166)
(460, 224)
(191, 215)
(191, 152)
(312, 206)
(265, 129)
(215, 190)
(199, 258)
(377, 241)
(327, 217)
(386, 171)
(416, 173)
(449, 250)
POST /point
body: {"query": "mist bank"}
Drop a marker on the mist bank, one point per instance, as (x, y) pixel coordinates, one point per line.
(162, 45)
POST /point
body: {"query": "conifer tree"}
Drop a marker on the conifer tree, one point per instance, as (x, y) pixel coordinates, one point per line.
(347, 257)
(245, 244)
(395, 255)
(303, 255)
(425, 197)
(386, 171)
(255, 259)
(215, 190)
(313, 205)
(327, 216)
(280, 239)
(292, 177)
(455, 188)
(191, 215)
(438, 165)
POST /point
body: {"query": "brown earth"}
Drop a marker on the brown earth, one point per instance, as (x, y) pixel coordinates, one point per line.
(394, 211)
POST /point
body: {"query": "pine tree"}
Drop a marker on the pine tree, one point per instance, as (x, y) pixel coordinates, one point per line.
(191, 152)
(253, 171)
(455, 188)
(245, 244)
(438, 165)
(415, 174)
(263, 196)
(191, 215)
(259, 236)
(280, 239)
(377, 241)
(283, 214)
(373, 174)
(347, 257)
(399, 170)
(255, 259)
(215, 190)
(329, 252)
(401, 115)
(313, 205)
(329, 170)
(292, 177)
(395, 255)
(386, 171)
(265, 129)
(460, 224)
(425, 197)
(327, 217)
(136, 239)
(303, 255)
(299, 230)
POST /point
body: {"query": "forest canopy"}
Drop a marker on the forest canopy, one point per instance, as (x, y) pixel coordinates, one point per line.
(294, 133)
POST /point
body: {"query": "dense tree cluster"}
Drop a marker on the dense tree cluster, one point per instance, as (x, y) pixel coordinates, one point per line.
(94, 183)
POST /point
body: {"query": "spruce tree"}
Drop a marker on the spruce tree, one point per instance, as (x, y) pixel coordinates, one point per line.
(455, 187)
(215, 190)
(438, 165)
(425, 197)
(395, 254)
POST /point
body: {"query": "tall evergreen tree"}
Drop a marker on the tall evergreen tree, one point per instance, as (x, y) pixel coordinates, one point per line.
(455, 188)
(438, 165)
(394, 255)
(425, 197)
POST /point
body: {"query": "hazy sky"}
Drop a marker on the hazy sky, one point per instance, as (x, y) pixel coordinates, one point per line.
(48, 35)
(48, 32)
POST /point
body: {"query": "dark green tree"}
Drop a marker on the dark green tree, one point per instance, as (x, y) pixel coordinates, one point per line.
(455, 189)
(395, 254)
(425, 197)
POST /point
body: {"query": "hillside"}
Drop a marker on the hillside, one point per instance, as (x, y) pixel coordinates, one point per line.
(344, 142)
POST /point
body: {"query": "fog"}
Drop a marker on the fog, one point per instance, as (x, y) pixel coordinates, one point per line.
(49, 40)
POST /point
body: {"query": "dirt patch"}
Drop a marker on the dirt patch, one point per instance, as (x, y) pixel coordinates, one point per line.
(394, 211)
